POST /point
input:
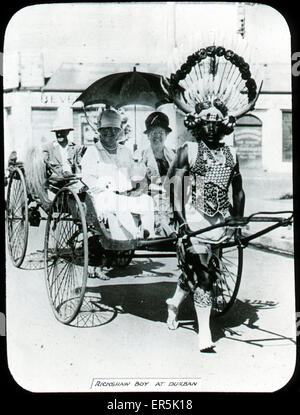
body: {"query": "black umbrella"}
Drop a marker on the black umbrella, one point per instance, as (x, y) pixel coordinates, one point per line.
(126, 88)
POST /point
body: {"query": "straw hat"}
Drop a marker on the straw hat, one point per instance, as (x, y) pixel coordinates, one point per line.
(109, 118)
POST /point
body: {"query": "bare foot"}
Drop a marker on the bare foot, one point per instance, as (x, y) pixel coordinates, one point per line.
(101, 275)
(95, 272)
(172, 321)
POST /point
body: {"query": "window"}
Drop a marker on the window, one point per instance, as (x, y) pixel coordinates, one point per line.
(287, 136)
(247, 141)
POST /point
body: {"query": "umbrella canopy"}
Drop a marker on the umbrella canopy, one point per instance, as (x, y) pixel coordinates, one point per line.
(126, 88)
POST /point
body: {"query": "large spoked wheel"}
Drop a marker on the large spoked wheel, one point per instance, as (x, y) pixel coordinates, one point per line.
(17, 217)
(227, 265)
(66, 255)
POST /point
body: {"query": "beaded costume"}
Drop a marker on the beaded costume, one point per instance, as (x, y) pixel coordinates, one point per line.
(212, 196)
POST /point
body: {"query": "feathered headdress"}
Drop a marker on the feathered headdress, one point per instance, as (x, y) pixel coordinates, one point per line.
(213, 82)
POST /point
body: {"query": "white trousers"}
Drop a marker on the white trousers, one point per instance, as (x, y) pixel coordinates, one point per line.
(107, 202)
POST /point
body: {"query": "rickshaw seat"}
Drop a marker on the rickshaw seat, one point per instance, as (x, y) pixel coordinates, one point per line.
(56, 183)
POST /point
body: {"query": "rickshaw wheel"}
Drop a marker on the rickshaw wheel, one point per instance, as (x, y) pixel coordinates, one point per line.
(66, 255)
(17, 217)
(227, 267)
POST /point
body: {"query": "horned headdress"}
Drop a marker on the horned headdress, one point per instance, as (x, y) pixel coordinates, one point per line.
(213, 82)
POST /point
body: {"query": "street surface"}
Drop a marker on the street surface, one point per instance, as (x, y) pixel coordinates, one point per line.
(255, 341)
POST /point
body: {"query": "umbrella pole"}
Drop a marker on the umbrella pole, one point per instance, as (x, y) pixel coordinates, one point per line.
(135, 144)
(87, 118)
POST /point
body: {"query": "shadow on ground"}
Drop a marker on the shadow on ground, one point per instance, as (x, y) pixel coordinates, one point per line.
(244, 314)
(103, 303)
(33, 261)
(142, 300)
(148, 301)
(140, 268)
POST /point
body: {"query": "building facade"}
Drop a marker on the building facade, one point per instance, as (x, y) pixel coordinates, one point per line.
(263, 137)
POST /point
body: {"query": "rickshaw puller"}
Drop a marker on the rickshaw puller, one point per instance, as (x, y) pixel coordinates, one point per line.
(211, 167)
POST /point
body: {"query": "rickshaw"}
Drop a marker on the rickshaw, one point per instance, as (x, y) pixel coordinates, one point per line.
(75, 238)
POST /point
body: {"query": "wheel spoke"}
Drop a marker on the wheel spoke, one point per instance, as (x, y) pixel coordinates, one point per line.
(229, 262)
(14, 231)
(228, 273)
(67, 255)
(228, 268)
(16, 192)
(64, 281)
(222, 286)
(56, 278)
(17, 218)
(225, 282)
(15, 228)
(17, 248)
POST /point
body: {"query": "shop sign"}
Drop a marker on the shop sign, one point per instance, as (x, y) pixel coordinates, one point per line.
(56, 99)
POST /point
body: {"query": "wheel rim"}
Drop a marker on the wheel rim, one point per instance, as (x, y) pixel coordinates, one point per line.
(228, 270)
(17, 217)
(66, 255)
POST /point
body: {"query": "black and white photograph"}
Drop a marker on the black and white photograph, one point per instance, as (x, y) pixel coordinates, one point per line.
(149, 201)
